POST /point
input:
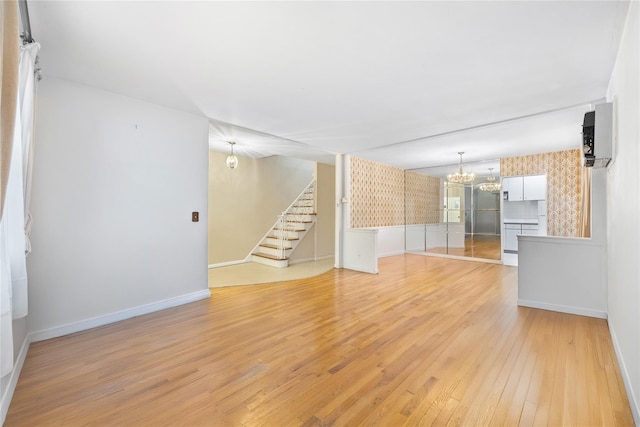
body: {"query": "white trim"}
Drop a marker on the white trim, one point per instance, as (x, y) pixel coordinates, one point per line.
(576, 241)
(633, 400)
(117, 316)
(458, 257)
(563, 309)
(299, 261)
(13, 379)
(392, 253)
(227, 263)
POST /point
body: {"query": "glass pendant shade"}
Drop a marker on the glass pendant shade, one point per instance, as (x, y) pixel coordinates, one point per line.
(461, 177)
(491, 184)
(232, 160)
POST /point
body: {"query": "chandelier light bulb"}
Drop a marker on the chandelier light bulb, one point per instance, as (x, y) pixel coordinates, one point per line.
(461, 177)
(490, 185)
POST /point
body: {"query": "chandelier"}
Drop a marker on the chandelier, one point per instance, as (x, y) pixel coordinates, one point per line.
(460, 176)
(232, 160)
(491, 184)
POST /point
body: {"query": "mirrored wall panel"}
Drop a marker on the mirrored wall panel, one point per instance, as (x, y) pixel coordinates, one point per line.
(454, 219)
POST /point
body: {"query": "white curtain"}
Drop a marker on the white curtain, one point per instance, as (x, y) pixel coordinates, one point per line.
(16, 220)
(8, 96)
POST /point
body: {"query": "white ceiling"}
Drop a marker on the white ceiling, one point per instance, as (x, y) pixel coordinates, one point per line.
(310, 79)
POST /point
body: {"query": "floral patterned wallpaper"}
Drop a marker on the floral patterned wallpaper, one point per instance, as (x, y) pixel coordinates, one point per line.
(423, 198)
(564, 184)
(377, 194)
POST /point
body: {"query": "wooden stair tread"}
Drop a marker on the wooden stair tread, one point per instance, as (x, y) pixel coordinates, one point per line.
(284, 238)
(273, 257)
(269, 245)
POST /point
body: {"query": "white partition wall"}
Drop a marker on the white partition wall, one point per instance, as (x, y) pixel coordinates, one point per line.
(415, 237)
(562, 274)
(360, 250)
(390, 241)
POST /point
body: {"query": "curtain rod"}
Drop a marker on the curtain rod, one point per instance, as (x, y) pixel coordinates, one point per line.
(26, 23)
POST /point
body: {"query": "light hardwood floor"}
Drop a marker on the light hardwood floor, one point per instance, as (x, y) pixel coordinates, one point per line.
(428, 341)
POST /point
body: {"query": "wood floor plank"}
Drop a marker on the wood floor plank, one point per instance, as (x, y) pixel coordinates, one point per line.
(427, 341)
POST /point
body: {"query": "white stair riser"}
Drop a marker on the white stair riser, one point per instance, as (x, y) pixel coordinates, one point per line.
(293, 226)
(275, 252)
(299, 218)
(285, 233)
(272, 241)
(303, 212)
(271, 262)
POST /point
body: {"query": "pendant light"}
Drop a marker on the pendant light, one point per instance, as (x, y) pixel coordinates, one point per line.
(232, 160)
(491, 184)
(461, 177)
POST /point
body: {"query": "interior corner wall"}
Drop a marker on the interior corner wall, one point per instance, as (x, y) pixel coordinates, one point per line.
(623, 210)
(114, 183)
(319, 243)
(245, 202)
(326, 218)
(564, 186)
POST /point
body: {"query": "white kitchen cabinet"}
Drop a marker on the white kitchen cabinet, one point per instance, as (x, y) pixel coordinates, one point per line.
(511, 232)
(534, 187)
(519, 188)
(513, 187)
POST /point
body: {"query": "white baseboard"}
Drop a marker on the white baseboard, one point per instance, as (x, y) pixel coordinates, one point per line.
(7, 394)
(227, 263)
(393, 253)
(118, 316)
(633, 399)
(299, 261)
(563, 309)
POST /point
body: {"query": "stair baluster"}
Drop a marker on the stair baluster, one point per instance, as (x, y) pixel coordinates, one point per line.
(290, 227)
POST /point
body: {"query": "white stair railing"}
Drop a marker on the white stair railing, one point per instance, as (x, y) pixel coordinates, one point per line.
(281, 240)
(298, 211)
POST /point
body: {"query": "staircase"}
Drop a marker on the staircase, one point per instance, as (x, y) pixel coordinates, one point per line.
(288, 231)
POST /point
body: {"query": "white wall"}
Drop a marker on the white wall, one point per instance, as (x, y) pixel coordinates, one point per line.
(562, 274)
(623, 210)
(360, 249)
(390, 240)
(115, 182)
